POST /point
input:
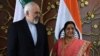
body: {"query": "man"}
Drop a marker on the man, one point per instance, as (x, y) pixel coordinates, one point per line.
(28, 37)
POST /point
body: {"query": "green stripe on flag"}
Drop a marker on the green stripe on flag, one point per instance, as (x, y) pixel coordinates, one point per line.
(23, 2)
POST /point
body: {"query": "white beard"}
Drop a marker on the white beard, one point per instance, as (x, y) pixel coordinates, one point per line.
(35, 21)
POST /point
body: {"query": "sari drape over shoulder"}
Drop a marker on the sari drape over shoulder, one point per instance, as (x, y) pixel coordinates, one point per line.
(74, 48)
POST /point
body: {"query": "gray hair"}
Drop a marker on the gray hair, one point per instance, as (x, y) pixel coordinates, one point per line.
(28, 6)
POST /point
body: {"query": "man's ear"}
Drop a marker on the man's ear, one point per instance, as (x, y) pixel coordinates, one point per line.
(27, 13)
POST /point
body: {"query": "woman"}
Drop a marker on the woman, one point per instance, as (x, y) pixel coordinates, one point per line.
(69, 45)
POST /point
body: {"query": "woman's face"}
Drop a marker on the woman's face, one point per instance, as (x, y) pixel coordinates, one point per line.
(69, 31)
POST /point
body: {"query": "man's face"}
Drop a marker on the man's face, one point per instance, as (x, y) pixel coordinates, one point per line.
(34, 14)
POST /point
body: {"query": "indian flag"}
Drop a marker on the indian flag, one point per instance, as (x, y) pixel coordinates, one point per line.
(19, 10)
(68, 11)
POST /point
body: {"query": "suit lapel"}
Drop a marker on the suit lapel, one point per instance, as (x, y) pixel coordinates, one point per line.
(38, 33)
(27, 31)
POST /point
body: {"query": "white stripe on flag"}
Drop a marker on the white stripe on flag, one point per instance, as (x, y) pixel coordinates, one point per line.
(19, 12)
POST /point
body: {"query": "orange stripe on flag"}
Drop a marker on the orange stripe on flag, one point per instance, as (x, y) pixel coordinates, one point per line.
(74, 10)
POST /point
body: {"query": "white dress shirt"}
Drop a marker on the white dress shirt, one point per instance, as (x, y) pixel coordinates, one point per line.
(33, 31)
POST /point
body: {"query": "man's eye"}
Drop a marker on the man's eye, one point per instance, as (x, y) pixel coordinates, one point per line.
(37, 12)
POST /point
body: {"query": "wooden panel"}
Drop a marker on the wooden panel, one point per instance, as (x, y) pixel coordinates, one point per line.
(90, 14)
(6, 13)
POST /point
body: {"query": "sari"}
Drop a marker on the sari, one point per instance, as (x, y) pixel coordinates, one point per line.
(75, 47)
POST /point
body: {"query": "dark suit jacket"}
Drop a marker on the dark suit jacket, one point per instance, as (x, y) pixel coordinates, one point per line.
(20, 41)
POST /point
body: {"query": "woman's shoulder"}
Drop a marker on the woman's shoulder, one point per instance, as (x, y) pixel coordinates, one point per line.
(82, 40)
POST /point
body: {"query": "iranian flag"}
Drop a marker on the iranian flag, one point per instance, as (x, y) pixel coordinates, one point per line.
(68, 11)
(19, 9)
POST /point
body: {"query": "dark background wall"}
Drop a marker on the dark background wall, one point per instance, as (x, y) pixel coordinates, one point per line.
(89, 11)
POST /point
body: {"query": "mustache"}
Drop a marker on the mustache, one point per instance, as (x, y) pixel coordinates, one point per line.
(37, 17)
